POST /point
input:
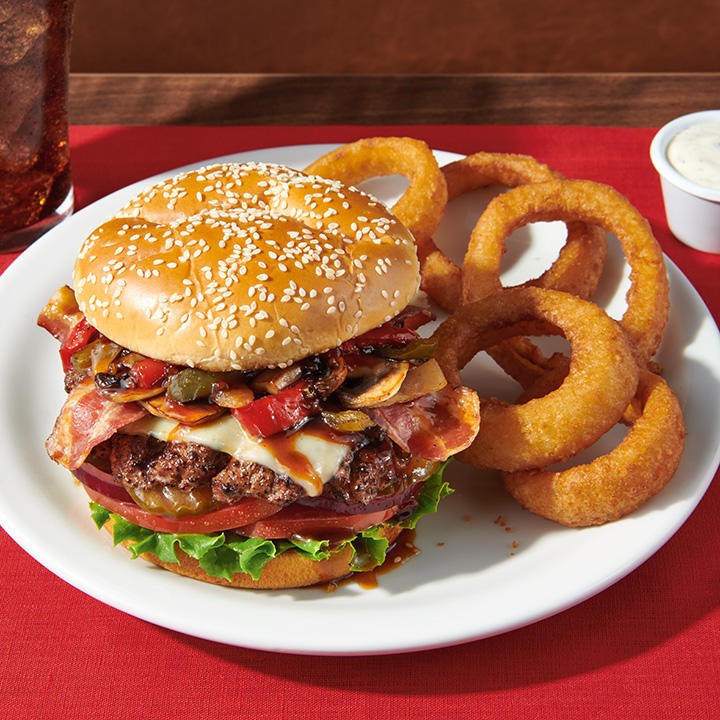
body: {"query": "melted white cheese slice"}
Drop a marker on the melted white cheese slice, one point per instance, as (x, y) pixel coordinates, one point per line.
(227, 435)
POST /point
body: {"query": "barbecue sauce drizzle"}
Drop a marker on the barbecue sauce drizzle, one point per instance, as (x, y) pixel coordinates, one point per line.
(400, 551)
(283, 447)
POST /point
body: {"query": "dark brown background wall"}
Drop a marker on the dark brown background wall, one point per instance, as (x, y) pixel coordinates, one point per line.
(396, 36)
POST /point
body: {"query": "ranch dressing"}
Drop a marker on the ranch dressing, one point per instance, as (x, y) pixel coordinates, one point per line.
(695, 154)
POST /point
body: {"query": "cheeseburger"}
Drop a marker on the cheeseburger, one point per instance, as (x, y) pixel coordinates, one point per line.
(249, 401)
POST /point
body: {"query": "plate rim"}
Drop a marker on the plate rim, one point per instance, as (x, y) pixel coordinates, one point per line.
(77, 577)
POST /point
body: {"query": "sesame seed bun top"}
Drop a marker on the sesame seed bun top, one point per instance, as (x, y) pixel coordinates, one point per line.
(244, 266)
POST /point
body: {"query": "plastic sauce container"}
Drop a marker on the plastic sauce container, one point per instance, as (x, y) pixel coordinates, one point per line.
(692, 209)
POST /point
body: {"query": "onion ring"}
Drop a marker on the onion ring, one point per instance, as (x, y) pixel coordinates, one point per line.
(613, 485)
(540, 378)
(421, 207)
(601, 380)
(579, 264)
(648, 297)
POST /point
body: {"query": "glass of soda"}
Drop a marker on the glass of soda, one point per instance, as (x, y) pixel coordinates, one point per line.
(35, 182)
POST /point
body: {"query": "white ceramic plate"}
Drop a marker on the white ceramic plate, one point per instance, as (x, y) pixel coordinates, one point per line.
(475, 576)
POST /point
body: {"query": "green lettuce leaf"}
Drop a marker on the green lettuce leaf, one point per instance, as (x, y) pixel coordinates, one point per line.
(307, 547)
(223, 555)
(218, 554)
(236, 555)
(370, 550)
(431, 493)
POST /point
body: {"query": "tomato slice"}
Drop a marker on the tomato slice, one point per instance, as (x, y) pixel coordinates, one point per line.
(246, 511)
(303, 521)
(252, 517)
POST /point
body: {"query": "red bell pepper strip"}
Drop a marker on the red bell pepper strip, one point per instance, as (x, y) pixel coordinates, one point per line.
(271, 414)
(398, 331)
(413, 317)
(381, 336)
(148, 373)
(78, 337)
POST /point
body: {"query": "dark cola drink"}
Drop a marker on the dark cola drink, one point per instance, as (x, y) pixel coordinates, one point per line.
(35, 183)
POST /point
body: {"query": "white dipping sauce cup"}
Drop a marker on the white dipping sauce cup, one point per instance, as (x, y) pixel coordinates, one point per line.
(693, 211)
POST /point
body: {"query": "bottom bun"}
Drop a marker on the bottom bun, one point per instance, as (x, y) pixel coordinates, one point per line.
(288, 570)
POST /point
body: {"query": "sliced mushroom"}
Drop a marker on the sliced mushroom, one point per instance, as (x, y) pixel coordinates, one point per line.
(276, 379)
(187, 414)
(377, 387)
(231, 397)
(335, 373)
(420, 380)
(127, 395)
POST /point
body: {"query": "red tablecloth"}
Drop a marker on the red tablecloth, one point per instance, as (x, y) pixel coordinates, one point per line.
(648, 647)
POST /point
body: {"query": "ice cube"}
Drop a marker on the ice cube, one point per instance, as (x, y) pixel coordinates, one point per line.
(22, 86)
(20, 31)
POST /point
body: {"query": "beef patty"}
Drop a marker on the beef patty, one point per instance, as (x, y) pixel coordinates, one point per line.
(141, 462)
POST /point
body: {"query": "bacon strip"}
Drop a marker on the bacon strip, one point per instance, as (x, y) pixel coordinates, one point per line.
(434, 426)
(60, 314)
(86, 419)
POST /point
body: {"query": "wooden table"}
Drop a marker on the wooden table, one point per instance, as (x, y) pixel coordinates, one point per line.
(597, 99)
